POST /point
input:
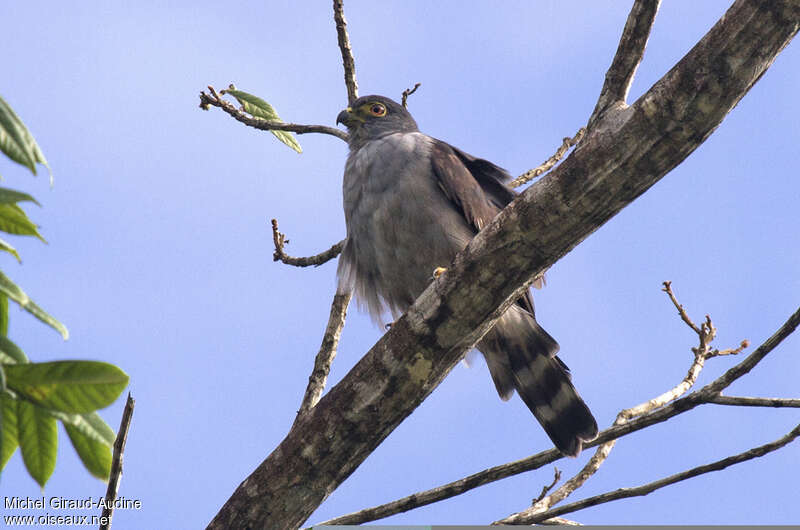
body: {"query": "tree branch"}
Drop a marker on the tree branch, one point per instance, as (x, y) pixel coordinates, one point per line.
(706, 334)
(279, 239)
(550, 162)
(493, 474)
(741, 401)
(214, 99)
(629, 54)
(115, 476)
(347, 52)
(326, 354)
(611, 167)
(639, 491)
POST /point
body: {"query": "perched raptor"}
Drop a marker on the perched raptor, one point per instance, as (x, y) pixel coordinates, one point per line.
(411, 203)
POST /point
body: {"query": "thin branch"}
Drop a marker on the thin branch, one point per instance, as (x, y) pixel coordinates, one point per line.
(741, 401)
(347, 52)
(681, 311)
(279, 239)
(644, 489)
(546, 489)
(629, 54)
(706, 334)
(550, 162)
(493, 474)
(326, 354)
(115, 476)
(407, 92)
(214, 99)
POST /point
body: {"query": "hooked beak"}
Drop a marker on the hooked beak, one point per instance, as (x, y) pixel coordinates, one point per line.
(347, 118)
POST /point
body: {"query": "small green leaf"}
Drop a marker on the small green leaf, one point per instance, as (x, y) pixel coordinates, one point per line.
(67, 386)
(14, 292)
(17, 142)
(11, 250)
(38, 440)
(96, 456)
(8, 428)
(10, 352)
(9, 196)
(14, 220)
(259, 108)
(3, 314)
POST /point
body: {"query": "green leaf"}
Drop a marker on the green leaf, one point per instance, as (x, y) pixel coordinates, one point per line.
(3, 314)
(14, 220)
(9, 196)
(10, 352)
(17, 142)
(11, 250)
(8, 428)
(67, 386)
(38, 440)
(90, 425)
(259, 108)
(96, 456)
(14, 292)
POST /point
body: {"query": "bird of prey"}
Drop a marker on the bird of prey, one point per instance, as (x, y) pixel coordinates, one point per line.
(411, 203)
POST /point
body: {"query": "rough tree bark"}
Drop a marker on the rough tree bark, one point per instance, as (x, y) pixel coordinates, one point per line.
(627, 150)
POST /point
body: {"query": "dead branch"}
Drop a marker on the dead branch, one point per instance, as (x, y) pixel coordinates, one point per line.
(624, 493)
(741, 401)
(407, 92)
(115, 476)
(550, 162)
(326, 354)
(347, 52)
(279, 240)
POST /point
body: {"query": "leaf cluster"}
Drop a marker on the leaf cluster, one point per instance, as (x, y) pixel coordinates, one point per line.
(35, 396)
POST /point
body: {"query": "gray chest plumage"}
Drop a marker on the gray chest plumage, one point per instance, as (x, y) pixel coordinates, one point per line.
(400, 224)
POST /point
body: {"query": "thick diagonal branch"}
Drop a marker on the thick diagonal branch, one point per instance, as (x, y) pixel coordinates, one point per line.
(604, 174)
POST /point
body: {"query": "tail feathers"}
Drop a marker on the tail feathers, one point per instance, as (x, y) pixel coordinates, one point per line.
(521, 356)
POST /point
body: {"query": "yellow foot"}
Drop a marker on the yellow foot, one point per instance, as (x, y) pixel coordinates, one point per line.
(438, 271)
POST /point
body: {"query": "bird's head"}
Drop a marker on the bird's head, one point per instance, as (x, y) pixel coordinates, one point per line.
(371, 117)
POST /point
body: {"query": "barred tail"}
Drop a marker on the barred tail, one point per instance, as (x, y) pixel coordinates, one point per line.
(521, 356)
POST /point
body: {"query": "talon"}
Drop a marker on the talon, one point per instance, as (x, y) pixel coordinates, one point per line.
(438, 271)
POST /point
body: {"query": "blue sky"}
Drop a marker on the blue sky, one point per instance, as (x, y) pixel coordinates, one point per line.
(160, 254)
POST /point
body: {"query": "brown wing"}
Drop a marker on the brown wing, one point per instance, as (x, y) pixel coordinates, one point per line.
(476, 187)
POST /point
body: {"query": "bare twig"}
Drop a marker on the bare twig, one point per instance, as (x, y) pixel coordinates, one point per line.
(326, 354)
(658, 415)
(546, 489)
(741, 401)
(279, 239)
(347, 52)
(638, 491)
(407, 92)
(115, 476)
(550, 162)
(701, 353)
(681, 311)
(214, 99)
(629, 54)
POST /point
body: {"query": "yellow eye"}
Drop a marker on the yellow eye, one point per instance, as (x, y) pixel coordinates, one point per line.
(377, 109)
